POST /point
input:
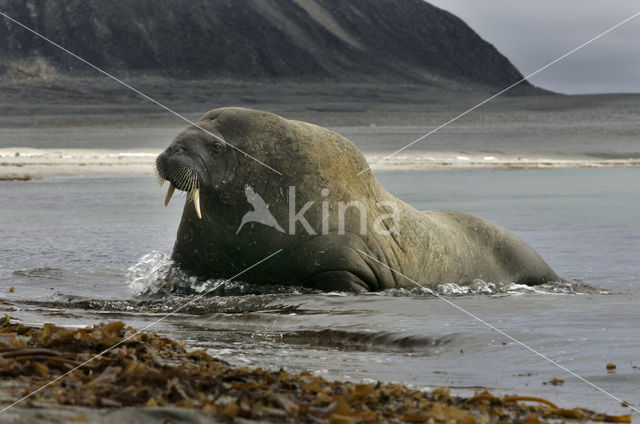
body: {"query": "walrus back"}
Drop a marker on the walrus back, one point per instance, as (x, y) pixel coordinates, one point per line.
(480, 244)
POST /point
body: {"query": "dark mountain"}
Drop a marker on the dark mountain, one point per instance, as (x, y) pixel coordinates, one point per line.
(390, 40)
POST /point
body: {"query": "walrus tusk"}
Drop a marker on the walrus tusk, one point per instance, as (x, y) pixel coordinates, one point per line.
(196, 201)
(170, 191)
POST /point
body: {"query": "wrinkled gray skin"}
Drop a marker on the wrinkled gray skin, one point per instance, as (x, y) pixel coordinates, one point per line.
(431, 247)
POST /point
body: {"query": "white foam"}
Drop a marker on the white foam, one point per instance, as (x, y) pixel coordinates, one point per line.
(456, 160)
(148, 271)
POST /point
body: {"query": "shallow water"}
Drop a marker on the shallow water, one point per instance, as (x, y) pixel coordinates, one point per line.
(78, 250)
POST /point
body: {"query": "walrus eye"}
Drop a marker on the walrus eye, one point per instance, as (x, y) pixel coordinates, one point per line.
(217, 147)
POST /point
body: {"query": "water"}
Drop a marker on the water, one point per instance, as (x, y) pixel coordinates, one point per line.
(67, 246)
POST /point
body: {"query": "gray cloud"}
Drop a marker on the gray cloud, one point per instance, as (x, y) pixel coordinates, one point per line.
(532, 33)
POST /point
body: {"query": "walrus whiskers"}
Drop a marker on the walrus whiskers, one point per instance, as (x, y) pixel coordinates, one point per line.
(184, 178)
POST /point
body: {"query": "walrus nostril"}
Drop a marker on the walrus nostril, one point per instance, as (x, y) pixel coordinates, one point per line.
(162, 163)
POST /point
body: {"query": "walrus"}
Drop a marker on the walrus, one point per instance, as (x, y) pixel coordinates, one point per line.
(258, 183)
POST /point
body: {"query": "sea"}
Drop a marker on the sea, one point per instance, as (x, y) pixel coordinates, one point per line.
(80, 250)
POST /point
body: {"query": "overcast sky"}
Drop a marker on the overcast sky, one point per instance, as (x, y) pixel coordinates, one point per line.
(532, 33)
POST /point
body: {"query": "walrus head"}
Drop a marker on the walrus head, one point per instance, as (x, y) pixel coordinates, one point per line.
(195, 161)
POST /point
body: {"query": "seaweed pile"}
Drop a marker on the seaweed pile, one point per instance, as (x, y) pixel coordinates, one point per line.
(143, 369)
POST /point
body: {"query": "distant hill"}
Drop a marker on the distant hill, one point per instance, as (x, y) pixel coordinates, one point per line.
(346, 40)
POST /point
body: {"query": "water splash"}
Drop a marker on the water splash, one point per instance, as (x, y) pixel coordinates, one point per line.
(156, 274)
(480, 287)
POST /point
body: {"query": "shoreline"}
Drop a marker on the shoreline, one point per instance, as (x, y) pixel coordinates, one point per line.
(22, 163)
(30, 163)
(121, 373)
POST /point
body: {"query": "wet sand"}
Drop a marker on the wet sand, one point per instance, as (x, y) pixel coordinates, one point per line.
(21, 163)
(118, 373)
(29, 163)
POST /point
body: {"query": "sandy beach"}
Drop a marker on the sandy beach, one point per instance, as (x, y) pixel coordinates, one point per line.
(23, 163)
